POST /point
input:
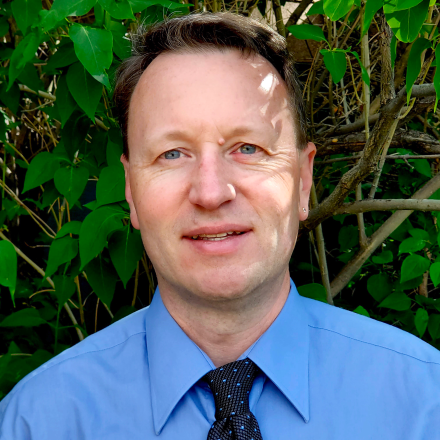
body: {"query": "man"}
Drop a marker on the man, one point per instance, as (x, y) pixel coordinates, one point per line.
(218, 174)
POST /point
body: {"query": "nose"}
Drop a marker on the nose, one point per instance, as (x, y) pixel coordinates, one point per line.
(211, 186)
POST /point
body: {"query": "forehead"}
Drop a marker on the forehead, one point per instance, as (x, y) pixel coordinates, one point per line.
(203, 90)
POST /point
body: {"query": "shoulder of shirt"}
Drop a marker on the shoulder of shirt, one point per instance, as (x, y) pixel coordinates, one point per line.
(110, 337)
(365, 330)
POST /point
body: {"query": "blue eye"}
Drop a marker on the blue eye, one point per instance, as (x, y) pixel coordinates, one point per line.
(172, 154)
(248, 149)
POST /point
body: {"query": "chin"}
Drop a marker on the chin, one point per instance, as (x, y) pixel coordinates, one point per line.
(227, 284)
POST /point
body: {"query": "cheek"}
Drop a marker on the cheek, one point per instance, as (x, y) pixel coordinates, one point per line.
(275, 202)
(156, 200)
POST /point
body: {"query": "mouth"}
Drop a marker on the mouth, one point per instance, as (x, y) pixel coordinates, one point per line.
(216, 237)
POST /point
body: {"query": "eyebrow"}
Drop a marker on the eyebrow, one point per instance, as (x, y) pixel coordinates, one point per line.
(177, 134)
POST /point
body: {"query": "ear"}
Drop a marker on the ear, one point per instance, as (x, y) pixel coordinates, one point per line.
(306, 157)
(128, 195)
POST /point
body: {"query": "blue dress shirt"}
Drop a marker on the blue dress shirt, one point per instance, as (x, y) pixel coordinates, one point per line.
(327, 373)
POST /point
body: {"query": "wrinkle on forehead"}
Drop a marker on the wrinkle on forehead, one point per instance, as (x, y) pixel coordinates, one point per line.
(226, 95)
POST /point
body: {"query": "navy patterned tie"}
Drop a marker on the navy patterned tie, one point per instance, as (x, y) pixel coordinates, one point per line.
(231, 385)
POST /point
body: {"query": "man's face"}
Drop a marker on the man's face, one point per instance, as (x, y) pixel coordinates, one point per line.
(212, 151)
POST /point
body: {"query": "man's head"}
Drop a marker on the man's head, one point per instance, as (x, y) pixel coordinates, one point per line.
(213, 121)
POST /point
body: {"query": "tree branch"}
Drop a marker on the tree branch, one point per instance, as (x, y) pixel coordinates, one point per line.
(49, 280)
(369, 157)
(389, 156)
(380, 235)
(417, 141)
(296, 15)
(368, 205)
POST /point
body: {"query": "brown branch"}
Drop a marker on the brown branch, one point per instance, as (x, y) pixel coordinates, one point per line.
(416, 141)
(368, 160)
(393, 222)
(296, 15)
(279, 18)
(389, 156)
(368, 205)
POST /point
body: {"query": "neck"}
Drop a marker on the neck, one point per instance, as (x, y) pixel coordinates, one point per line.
(221, 332)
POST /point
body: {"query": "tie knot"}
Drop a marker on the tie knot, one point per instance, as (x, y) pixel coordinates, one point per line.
(231, 385)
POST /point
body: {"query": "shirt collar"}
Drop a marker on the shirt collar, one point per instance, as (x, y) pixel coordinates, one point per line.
(176, 363)
(282, 352)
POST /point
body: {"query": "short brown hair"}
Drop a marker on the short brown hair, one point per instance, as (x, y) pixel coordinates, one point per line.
(207, 31)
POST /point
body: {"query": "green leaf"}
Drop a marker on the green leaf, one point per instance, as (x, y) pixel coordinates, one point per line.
(64, 289)
(4, 26)
(41, 169)
(118, 9)
(71, 182)
(8, 267)
(379, 286)
(336, 9)
(421, 321)
(411, 244)
(317, 8)
(65, 102)
(94, 48)
(423, 167)
(413, 266)
(406, 24)
(111, 185)
(10, 97)
(24, 318)
(365, 76)
(396, 301)
(399, 5)
(123, 312)
(3, 130)
(348, 237)
(434, 326)
(95, 229)
(72, 227)
(313, 291)
(437, 78)
(64, 56)
(113, 153)
(371, 7)
(411, 284)
(383, 258)
(61, 251)
(126, 249)
(421, 234)
(66, 8)
(25, 13)
(29, 77)
(74, 133)
(307, 32)
(140, 5)
(361, 311)
(434, 272)
(62, 9)
(102, 278)
(24, 52)
(335, 62)
(84, 88)
(121, 45)
(412, 72)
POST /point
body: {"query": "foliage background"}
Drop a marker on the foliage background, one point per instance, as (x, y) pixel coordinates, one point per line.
(70, 262)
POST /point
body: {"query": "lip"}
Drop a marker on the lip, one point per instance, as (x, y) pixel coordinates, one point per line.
(230, 245)
(217, 229)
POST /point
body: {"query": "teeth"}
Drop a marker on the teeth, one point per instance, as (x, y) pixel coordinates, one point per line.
(215, 237)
